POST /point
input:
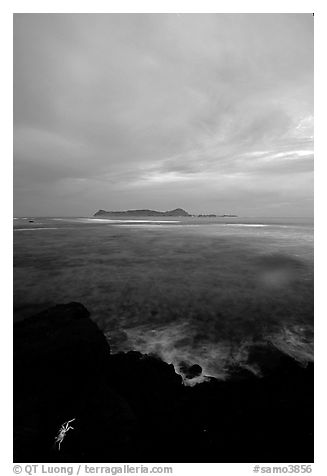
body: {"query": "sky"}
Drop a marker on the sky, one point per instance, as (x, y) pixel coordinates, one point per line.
(212, 113)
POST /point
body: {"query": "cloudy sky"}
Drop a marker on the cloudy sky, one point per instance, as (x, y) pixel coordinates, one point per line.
(208, 112)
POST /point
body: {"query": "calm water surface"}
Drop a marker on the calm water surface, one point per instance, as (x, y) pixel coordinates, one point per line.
(197, 290)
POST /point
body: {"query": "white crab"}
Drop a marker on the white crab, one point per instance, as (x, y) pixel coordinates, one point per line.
(62, 432)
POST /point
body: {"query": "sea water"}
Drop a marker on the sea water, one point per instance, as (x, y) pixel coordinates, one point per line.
(191, 290)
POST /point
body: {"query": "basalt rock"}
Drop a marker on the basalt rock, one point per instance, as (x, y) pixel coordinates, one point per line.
(190, 371)
(60, 357)
(131, 407)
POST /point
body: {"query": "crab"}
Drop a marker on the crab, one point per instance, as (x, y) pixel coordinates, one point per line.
(62, 432)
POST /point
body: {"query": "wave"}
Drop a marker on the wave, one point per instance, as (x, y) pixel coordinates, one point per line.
(174, 343)
(146, 225)
(35, 229)
(109, 221)
(244, 224)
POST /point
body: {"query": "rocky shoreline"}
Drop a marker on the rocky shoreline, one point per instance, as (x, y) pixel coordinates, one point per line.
(130, 407)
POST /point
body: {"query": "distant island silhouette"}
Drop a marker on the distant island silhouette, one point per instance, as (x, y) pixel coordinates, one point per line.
(177, 212)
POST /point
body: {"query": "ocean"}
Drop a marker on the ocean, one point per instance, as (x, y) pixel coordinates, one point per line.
(190, 290)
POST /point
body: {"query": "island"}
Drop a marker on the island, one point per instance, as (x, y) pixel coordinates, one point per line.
(212, 215)
(177, 212)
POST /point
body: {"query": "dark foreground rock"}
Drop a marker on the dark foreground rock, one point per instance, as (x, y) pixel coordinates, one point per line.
(130, 407)
(190, 371)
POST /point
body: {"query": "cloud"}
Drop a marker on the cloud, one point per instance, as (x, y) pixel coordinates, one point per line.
(111, 108)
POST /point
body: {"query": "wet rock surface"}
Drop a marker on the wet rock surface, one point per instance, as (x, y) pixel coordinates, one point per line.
(130, 407)
(190, 371)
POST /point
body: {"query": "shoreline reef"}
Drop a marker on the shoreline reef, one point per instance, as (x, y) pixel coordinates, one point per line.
(131, 407)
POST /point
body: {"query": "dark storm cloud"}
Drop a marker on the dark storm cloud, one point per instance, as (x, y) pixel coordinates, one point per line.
(145, 110)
